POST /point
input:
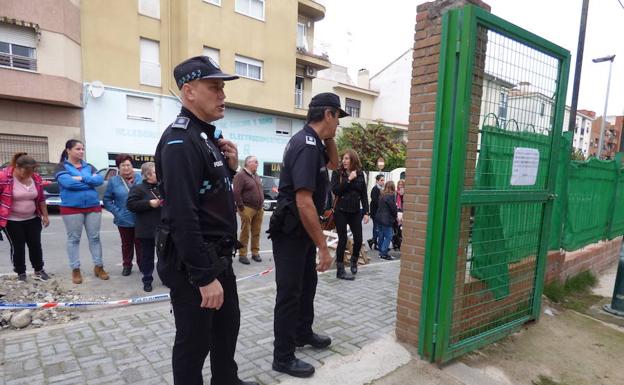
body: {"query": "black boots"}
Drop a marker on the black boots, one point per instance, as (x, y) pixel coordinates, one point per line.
(354, 266)
(342, 274)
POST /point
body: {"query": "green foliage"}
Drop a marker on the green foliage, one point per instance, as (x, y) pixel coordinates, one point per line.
(374, 141)
(577, 155)
(579, 284)
(545, 380)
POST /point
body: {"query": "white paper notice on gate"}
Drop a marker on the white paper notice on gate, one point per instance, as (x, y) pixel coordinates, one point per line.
(525, 165)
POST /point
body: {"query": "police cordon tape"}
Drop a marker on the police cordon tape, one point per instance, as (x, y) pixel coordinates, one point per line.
(122, 302)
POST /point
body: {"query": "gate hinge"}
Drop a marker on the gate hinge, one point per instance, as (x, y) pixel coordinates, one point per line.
(434, 336)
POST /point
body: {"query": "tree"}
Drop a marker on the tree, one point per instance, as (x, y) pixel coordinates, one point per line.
(577, 154)
(372, 142)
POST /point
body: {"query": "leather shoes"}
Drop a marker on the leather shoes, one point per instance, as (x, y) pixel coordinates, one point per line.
(244, 260)
(315, 340)
(295, 368)
(126, 271)
(147, 286)
(256, 258)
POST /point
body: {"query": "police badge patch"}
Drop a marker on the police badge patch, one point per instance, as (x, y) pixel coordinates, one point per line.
(181, 122)
(310, 140)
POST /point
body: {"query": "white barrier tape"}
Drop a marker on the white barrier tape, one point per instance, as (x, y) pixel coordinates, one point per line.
(122, 302)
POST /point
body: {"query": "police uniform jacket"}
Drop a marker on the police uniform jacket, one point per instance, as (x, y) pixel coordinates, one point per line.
(304, 167)
(196, 184)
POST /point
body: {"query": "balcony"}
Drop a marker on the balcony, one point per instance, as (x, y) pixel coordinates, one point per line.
(17, 61)
(309, 59)
(311, 9)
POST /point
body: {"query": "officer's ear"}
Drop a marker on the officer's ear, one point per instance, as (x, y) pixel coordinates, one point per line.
(187, 91)
(330, 113)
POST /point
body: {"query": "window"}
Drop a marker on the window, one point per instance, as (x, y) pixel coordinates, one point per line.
(215, 2)
(17, 47)
(542, 109)
(212, 53)
(139, 108)
(150, 8)
(301, 36)
(352, 107)
(251, 8)
(247, 67)
(150, 63)
(502, 107)
(298, 92)
(283, 127)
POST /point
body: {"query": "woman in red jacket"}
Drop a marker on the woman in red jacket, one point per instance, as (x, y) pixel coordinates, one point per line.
(23, 212)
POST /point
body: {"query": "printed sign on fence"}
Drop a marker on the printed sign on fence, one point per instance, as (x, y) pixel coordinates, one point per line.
(524, 167)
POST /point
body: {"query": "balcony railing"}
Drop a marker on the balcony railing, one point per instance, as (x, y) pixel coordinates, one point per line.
(298, 98)
(17, 61)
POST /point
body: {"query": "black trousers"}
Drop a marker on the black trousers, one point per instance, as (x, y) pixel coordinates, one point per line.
(200, 331)
(354, 220)
(296, 279)
(20, 234)
(146, 266)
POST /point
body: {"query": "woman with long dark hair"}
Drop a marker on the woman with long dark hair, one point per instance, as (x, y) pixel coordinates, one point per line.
(23, 212)
(387, 217)
(80, 207)
(349, 187)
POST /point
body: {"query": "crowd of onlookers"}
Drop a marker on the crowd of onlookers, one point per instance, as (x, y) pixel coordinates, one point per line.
(134, 200)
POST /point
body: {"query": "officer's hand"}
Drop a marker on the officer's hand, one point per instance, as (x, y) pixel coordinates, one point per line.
(212, 295)
(325, 260)
(229, 149)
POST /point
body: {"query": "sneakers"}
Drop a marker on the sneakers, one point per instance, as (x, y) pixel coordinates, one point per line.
(100, 272)
(244, 260)
(76, 276)
(256, 258)
(387, 257)
(41, 275)
(21, 277)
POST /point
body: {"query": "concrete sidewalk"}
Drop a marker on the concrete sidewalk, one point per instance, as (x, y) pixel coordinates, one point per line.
(135, 347)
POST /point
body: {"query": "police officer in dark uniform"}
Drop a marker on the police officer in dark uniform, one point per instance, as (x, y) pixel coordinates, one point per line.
(295, 230)
(197, 238)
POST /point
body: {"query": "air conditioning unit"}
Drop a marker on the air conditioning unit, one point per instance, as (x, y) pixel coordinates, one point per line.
(310, 72)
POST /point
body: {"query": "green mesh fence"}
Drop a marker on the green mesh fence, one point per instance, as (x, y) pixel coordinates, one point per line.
(561, 189)
(498, 236)
(590, 199)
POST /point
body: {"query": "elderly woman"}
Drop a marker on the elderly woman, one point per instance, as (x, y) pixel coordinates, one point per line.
(145, 200)
(114, 200)
(23, 211)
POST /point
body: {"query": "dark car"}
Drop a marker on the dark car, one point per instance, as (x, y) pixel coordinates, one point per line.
(269, 186)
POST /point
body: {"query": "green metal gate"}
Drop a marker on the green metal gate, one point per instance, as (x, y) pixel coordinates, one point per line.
(500, 108)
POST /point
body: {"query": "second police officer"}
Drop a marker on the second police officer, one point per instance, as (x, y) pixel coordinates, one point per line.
(197, 239)
(295, 230)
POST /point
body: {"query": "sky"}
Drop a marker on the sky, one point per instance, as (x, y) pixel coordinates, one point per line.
(371, 34)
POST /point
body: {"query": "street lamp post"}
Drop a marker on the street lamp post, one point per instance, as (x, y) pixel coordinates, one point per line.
(604, 115)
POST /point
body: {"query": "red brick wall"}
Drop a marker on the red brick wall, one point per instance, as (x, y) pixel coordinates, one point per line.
(418, 166)
(596, 257)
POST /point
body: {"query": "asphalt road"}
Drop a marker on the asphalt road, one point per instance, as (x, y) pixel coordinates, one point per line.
(119, 287)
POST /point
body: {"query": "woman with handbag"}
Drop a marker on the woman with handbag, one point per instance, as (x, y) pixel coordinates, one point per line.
(349, 187)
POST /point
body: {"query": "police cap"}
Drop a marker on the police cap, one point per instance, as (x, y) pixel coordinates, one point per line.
(199, 67)
(328, 99)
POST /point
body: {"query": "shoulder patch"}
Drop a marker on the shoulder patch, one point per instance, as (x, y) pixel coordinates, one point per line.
(181, 122)
(310, 140)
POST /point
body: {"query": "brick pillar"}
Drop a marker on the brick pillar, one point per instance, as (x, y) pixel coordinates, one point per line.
(418, 165)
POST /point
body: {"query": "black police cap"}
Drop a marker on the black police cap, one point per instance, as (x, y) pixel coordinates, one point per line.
(328, 99)
(199, 67)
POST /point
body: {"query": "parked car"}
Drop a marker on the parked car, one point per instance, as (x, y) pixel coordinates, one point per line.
(270, 185)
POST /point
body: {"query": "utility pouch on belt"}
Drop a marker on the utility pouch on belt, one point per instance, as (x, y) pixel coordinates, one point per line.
(219, 262)
(285, 220)
(163, 243)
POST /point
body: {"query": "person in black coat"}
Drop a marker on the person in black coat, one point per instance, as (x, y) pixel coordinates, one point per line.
(145, 200)
(380, 180)
(387, 213)
(349, 187)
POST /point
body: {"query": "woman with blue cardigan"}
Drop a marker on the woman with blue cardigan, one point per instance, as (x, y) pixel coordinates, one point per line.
(80, 207)
(115, 199)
